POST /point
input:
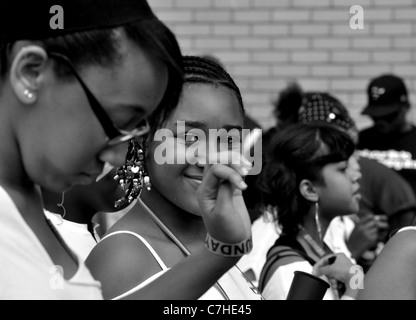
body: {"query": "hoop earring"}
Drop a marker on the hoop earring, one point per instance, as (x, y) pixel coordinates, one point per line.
(318, 222)
(132, 176)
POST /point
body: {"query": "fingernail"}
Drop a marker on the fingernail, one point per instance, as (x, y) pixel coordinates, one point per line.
(243, 185)
(246, 162)
(244, 171)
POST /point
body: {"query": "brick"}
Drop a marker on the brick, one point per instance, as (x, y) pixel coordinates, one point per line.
(396, 3)
(392, 56)
(393, 29)
(270, 57)
(313, 56)
(268, 85)
(293, 43)
(330, 70)
(236, 4)
(405, 70)
(251, 43)
(250, 70)
(231, 29)
(186, 44)
(350, 56)
(372, 43)
(212, 16)
(252, 16)
(311, 4)
(330, 43)
(349, 3)
(212, 43)
(194, 30)
(291, 15)
(345, 30)
(331, 15)
(170, 16)
(373, 15)
(405, 14)
(290, 70)
(156, 4)
(369, 71)
(256, 98)
(313, 84)
(234, 57)
(271, 3)
(348, 84)
(309, 29)
(270, 29)
(199, 4)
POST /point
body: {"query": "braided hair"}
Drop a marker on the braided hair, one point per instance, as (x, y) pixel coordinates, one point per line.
(132, 176)
(205, 70)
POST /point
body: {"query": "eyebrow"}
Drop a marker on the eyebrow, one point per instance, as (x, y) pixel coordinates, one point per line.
(203, 125)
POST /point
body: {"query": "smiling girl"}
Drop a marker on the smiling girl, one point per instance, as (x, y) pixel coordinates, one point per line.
(167, 223)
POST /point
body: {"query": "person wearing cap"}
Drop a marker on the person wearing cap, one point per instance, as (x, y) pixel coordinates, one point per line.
(391, 140)
(70, 99)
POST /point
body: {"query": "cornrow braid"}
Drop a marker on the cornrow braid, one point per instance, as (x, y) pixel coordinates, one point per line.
(207, 71)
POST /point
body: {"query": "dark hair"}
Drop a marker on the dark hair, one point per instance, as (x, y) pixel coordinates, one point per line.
(288, 103)
(208, 71)
(199, 70)
(100, 47)
(295, 153)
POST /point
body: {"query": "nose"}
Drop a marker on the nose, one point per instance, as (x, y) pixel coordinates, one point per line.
(355, 169)
(114, 155)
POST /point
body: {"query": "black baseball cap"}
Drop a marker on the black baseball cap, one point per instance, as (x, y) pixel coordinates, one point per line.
(33, 19)
(386, 94)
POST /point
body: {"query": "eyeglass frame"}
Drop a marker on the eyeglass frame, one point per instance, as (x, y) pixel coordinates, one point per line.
(115, 135)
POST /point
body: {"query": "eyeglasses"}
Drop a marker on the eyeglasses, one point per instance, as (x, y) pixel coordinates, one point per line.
(115, 134)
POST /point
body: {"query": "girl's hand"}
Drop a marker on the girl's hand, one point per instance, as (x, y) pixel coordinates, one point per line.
(335, 266)
(220, 198)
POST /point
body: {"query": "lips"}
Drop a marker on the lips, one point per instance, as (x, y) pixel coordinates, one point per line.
(195, 180)
(194, 177)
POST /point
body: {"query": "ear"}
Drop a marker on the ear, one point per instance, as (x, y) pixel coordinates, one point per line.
(308, 190)
(26, 72)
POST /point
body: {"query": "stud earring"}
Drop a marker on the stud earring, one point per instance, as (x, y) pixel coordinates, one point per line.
(28, 94)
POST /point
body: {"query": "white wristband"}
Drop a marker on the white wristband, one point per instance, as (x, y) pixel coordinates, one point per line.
(229, 250)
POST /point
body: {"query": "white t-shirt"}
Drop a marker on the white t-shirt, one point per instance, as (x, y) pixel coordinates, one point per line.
(27, 271)
(279, 283)
(265, 233)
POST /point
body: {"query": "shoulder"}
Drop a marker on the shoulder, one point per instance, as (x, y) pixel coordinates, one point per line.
(121, 262)
(392, 275)
(399, 254)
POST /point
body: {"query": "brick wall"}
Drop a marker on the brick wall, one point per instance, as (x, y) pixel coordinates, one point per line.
(264, 44)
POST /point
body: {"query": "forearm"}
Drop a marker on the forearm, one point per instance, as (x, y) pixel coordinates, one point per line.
(188, 280)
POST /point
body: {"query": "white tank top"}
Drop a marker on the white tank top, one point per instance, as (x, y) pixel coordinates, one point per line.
(27, 271)
(234, 283)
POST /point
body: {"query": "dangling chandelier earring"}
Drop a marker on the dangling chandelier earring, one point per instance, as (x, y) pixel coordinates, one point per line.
(317, 222)
(133, 176)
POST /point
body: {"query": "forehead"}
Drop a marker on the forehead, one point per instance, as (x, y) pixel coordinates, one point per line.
(136, 79)
(214, 104)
